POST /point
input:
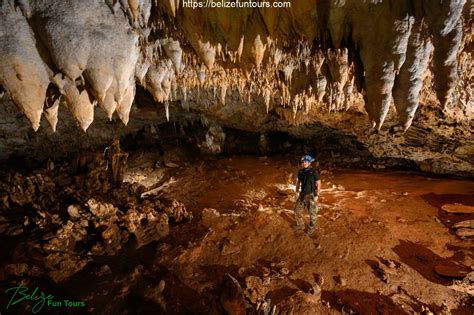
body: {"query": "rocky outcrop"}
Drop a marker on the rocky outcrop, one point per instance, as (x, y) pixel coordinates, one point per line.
(71, 223)
(338, 63)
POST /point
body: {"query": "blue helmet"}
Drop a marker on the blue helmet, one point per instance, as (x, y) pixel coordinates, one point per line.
(307, 158)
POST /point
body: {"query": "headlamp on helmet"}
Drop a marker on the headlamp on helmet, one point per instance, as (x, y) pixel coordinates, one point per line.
(307, 158)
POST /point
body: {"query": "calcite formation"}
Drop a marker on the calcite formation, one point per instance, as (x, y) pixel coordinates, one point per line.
(297, 61)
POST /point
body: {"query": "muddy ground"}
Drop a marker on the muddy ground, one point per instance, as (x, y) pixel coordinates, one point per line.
(383, 245)
(379, 237)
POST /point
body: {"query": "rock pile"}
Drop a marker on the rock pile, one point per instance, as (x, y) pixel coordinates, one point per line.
(76, 217)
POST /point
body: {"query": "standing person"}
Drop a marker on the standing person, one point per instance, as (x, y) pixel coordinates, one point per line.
(308, 187)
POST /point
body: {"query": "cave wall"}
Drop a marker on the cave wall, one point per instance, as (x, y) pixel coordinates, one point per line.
(350, 65)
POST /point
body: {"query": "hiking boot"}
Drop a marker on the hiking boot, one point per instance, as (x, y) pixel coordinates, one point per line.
(311, 229)
(298, 227)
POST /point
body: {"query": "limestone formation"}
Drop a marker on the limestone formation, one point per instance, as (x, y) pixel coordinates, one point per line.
(307, 56)
(346, 64)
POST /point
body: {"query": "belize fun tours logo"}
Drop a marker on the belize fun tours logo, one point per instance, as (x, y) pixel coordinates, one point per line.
(22, 294)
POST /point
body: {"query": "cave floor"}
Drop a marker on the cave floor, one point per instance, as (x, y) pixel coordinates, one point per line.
(383, 244)
(379, 239)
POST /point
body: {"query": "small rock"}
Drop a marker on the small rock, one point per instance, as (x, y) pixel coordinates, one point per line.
(103, 270)
(465, 232)
(74, 211)
(315, 290)
(232, 296)
(457, 208)
(426, 311)
(436, 219)
(284, 271)
(266, 280)
(464, 224)
(171, 165)
(340, 280)
(391, 264)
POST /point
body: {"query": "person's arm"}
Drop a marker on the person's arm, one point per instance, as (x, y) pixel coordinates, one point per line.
(297, 184)
(317, 184)
(317, 187)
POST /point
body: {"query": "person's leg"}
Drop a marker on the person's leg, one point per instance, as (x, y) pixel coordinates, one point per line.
(299, 214)
(313, 215)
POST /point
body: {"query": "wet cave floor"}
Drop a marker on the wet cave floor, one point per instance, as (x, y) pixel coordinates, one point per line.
(383, 245)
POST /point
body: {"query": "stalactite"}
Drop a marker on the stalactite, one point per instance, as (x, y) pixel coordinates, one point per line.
(113, 45)
(201, 74)
(23, 73)
(267, 95)
(167, 110)
(125, 105)
(174, 52)
(223, 93)
(53, 97)
(240, 49)
(207, 52)
(258, 51)
(79, 104)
